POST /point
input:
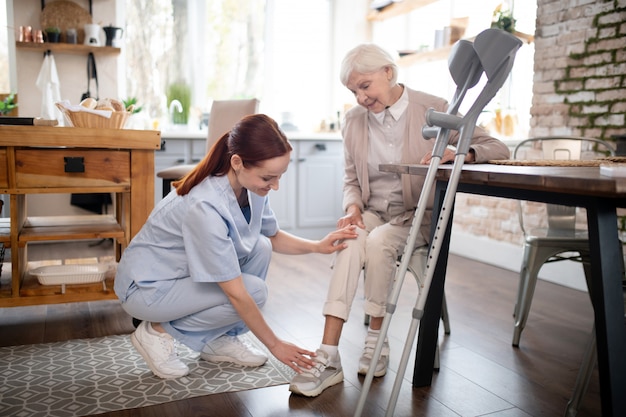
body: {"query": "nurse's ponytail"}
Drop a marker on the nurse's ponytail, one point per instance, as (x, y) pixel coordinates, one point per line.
(255, 138)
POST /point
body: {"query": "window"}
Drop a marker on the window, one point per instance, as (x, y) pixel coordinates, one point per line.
(275, 50)
(194, 51)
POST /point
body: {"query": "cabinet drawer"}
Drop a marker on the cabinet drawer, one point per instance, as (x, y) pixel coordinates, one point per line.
(71, 168)
(4, 181)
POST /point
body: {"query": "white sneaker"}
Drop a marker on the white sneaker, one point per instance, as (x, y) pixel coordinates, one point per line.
(159, 351)
(368, 352)
(232, 349)
(325, 373)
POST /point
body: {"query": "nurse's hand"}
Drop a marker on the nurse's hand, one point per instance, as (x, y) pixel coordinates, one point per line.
(293, 356)
(334, 241)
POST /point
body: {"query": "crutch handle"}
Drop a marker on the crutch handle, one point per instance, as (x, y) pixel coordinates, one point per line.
(430, 132)
(445, 120)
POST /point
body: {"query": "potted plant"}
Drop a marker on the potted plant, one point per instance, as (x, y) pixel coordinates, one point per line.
(130, 104)
(136, 120)
(182, 92)
(503, 19)
(8, 104)
(53, 34)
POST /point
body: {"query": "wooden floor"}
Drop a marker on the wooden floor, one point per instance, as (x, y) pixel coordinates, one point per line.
(481, 374)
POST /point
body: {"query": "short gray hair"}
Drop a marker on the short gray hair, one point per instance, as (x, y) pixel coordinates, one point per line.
(367, 58)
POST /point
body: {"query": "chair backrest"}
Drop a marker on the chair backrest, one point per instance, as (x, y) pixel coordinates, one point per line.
(561, 218)
(225, 114)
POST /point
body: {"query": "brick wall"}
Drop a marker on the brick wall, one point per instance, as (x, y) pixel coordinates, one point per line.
(579, 89)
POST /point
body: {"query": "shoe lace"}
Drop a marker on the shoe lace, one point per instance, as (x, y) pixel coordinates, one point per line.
(169, 345)
(241, 343)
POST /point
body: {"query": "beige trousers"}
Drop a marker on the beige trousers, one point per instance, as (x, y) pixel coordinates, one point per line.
(375, 252)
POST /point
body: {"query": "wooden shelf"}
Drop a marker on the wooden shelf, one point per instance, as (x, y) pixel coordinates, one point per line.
(67, 48)
(397, 9)
(39, 229)
(426, 56)
(442, 53)
(5, 230)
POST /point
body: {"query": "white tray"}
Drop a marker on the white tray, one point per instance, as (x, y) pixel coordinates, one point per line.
(70, 274)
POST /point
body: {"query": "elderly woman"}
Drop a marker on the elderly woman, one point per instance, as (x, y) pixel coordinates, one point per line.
(195, 272)
(386, 127)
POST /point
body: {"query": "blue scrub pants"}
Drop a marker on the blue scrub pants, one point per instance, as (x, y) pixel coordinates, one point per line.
(195, 313)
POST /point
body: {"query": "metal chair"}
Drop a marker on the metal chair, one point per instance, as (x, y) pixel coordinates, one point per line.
(224, 115)
(560, 240)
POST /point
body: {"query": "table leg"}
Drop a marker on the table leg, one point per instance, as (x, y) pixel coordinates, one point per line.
(608, 303)
(429, 324)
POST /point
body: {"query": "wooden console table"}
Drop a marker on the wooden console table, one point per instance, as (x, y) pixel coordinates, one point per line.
(38, 160)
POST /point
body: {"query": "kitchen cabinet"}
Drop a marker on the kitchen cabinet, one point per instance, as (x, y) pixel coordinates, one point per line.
(309, 200)
(40, 160)
(179, 147)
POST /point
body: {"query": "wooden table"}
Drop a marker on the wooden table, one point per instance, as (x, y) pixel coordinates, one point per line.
(38, 159)
(573, 186)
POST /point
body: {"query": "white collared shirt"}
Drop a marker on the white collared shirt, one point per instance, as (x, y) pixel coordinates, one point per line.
(385, 147)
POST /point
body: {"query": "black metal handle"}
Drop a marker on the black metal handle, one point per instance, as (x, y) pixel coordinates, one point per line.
(74, 163)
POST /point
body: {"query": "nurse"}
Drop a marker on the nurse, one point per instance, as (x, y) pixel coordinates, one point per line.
(195, 272)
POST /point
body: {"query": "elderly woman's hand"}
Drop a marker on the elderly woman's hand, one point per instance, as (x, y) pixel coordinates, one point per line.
(448, 156)
(352, 217)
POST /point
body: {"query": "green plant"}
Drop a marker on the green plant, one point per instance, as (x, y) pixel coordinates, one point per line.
(52, 29)
(8, 104)
(182, 92)
(503, 19)
(131, 103)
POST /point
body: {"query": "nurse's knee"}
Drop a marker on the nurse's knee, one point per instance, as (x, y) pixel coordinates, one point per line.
(257, 288)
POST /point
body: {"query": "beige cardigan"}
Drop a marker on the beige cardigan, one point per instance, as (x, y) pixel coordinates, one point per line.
(356, 143)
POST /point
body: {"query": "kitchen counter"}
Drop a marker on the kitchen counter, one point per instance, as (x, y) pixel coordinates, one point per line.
(196, 134)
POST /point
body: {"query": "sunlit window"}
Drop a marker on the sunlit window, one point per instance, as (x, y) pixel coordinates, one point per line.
(192, 51)
(197, 51)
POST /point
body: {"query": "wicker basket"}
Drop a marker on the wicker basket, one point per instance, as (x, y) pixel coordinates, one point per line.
(91, 120)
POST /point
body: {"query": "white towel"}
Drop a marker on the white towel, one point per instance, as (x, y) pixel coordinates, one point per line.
(48, 84)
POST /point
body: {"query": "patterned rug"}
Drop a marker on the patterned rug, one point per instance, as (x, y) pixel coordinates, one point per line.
(91, 376)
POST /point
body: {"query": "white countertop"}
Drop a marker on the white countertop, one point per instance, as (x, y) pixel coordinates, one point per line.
(202, 134)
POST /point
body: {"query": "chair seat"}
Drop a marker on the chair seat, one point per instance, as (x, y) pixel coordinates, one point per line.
(175, 172)
(557, 235)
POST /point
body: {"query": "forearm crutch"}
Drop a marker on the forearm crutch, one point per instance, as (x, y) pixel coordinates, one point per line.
(493, 53)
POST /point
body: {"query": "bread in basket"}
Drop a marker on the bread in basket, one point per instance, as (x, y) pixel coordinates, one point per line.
(81, 116)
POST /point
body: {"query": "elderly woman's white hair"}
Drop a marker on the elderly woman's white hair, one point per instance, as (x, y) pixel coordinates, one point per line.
(365, 59)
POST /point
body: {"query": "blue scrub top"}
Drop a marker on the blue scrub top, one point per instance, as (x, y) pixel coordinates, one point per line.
(202, 235)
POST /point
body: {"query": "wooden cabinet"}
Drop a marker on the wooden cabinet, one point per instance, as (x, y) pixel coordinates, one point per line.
(37, 160)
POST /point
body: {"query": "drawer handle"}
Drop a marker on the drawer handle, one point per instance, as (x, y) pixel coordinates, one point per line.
(74, 163)
(320, 146)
